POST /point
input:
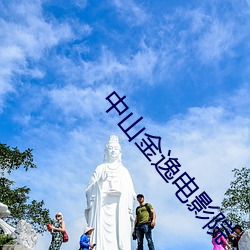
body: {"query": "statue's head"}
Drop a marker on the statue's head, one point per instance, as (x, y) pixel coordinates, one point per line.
(113, 150)
(4, 211)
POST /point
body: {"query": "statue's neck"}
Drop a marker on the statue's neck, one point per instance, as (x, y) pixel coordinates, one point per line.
(113, 165)
(113, 161)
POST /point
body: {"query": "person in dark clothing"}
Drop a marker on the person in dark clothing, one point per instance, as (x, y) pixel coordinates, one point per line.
(234, 238)
(56, 232)
(143, 224)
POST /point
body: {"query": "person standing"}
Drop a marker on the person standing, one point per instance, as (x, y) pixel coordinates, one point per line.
(56, 231)
(143, 225)
(224, 241)
(85, 239)
(235, 238)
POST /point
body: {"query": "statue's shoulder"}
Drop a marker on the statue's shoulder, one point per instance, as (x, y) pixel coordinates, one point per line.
(100, 167)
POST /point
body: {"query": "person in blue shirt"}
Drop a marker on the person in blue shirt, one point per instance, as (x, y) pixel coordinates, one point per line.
(84, 240)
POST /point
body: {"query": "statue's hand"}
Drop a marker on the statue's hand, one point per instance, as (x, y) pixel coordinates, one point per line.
(104, 175)
(132, 217)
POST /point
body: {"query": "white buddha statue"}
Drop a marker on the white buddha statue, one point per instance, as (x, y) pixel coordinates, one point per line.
(110, 197)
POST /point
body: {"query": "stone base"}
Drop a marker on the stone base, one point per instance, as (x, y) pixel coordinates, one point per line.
(13, 247)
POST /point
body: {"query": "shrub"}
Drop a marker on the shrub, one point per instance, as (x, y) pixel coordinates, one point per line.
(6, 240)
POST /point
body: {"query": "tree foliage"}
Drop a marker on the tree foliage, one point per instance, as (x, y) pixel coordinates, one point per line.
(17, 199)
(6, 240)
(11, 159)
(236, 203)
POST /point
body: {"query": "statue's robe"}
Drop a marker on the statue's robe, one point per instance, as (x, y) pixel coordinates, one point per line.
(110, 197)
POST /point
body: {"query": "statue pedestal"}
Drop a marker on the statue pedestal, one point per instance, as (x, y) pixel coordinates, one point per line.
(13, 247)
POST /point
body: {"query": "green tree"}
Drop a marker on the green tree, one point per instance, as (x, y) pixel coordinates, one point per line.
(236, 203)
(17, 199)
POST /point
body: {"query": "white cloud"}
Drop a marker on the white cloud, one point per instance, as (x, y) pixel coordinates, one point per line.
(143, 64)
(217, 42)
(25, 35)
(32, 33)
(105, 69)
(125, 70)
(82, 102)
(131, 12)
(199, 33)
(240, 100)
(198, 19)
(80, 3)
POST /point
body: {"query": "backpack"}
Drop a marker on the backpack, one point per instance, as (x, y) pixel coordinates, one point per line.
(149, 212)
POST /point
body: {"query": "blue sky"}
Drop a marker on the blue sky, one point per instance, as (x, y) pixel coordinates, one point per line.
(184, 67)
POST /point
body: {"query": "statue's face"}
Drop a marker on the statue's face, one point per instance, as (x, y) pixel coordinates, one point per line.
(113, 150)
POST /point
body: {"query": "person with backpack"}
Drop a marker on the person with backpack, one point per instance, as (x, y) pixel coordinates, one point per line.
(144, 223)
(56, 232)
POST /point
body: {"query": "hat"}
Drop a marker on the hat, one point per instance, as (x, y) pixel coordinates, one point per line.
(87, 229)
(237, 227)
(59, 213)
